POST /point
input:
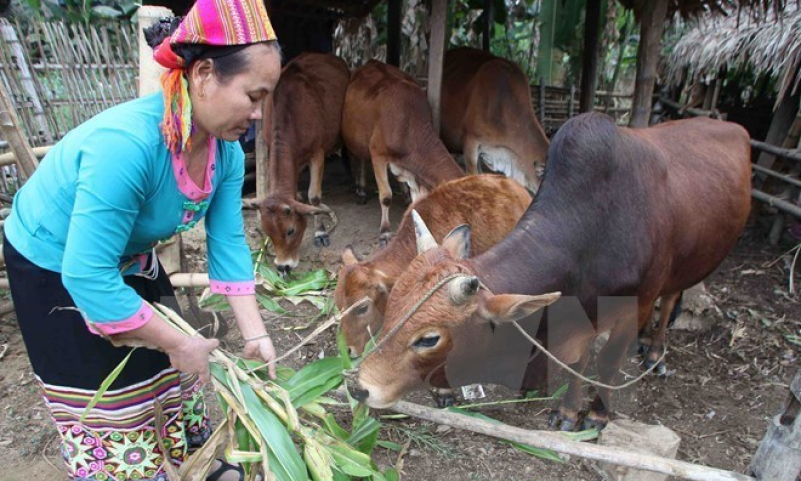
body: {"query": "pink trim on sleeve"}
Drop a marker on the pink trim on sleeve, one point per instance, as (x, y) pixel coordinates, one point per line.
(137, 320)
(243, 288)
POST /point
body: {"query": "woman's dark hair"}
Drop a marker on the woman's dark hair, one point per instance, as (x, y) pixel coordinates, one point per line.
(228, 60)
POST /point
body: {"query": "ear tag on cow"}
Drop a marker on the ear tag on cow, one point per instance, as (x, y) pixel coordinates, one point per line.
(472, 392)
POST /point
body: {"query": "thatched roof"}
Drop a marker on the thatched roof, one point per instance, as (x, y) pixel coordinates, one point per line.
(767, 45)
(697, 8)
(334, 9)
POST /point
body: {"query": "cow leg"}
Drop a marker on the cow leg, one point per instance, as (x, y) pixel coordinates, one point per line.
(316, 169)
(381, 167)
(610, 358)
(361, 182)
(658, 338)
(565, 418)
(471, 160)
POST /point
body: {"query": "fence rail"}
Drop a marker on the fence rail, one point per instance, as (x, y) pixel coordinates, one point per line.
(60, 75)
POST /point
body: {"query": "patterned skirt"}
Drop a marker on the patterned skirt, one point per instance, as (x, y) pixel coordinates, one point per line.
(117, 441)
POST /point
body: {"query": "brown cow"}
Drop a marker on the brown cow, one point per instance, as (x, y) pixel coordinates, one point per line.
(301, 126)
(495, 205)
(487, 115)
(387, 119)
(623, 217)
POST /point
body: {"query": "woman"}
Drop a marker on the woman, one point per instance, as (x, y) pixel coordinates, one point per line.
(82, 232)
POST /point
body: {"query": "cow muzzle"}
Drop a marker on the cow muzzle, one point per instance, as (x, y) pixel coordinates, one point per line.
(358, 393)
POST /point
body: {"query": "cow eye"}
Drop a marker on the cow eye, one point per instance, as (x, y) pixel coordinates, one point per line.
(362, 310)
(426, 342)
(290, 232)
(287, 210)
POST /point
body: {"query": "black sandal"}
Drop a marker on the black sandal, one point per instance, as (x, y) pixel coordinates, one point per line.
(224, 468)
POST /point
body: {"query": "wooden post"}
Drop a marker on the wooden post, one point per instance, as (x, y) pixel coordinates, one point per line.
(12, 131)
(149, 70)
(778, 457)
(542, 102)
(571, 102)
(488, 25)
(436, 54)
(780, 125)
(262, 165)
(589, 68)
(653, 14)
(394, 16)
(26, 79)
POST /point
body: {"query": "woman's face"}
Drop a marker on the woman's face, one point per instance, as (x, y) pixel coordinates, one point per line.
(226, 108)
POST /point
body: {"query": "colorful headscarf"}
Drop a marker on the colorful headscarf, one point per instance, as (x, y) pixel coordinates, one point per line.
(210, 22)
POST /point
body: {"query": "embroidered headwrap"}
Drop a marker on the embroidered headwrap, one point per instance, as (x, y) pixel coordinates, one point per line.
(218, 23)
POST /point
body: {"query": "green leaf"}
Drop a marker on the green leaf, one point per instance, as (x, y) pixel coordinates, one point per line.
(391, 475)
(313, 281)
(269, 303)
(214, 302)
(390, 445)
(344, 352)
(539, 452)
(284, 460)
(314, 380)
(334, 428)
(108, 381)
(106, 12)
(365, 435)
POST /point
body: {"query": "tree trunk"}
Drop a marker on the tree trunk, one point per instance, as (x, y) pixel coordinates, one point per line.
(589, 68)
(652, 15)
(545, 48)
(394, 16)
(489, 25)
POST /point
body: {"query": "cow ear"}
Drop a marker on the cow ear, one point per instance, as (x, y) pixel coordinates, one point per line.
(349, 257)
(504, 308)
(457, 242)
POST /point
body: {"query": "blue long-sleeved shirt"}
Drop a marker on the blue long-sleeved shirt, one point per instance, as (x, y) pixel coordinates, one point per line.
(110, 190)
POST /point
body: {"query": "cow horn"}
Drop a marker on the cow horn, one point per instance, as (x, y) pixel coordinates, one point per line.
(425, 240)
(462, 289)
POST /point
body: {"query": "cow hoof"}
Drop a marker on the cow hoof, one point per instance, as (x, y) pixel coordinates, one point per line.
(322, 241)
(660, 369)
(383, 241)
(361, 198)
(444, 400)
(562, 422)
(594, 421)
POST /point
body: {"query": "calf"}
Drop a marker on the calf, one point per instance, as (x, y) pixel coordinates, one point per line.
(387, 119)
(622, 216)
(301, 126)
(490, 204)
(487, 115)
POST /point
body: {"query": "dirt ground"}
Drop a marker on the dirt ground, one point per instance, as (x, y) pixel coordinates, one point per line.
(728, 381)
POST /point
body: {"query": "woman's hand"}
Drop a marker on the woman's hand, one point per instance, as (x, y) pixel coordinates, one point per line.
(192, 356)
(261, 349)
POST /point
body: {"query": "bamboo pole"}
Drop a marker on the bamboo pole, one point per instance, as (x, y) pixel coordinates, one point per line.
(9, 124)
(179, 279)
(26, 78)
(557, 442)
(9, 158)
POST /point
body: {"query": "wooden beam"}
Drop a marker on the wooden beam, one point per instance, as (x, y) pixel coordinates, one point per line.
(436, 55)
(262, 158)
(394, 17)
(9, 158)
(560, 443)
(653, 14)
(773, 173)
(589, 69)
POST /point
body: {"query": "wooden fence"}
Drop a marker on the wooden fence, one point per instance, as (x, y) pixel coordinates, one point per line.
(60, 74)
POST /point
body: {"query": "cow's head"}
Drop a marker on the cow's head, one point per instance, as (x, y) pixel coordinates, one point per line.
(446, 328)
(357, 280)
(284, 221)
